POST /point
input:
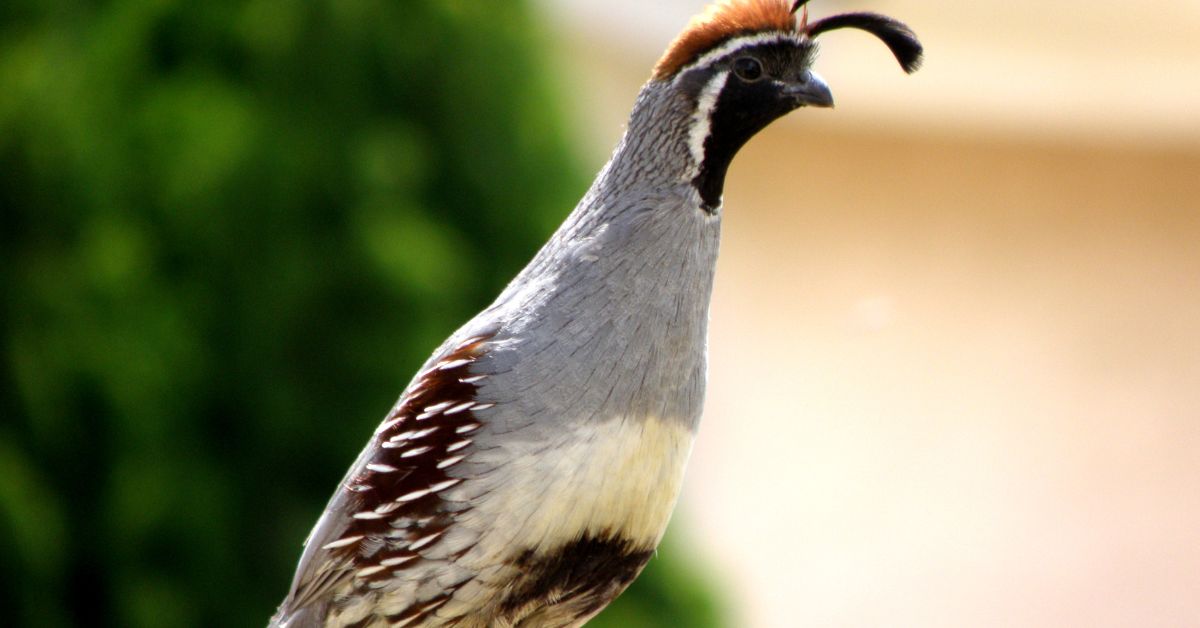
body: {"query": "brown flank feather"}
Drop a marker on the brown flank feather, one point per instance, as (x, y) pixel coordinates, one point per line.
(720, 21)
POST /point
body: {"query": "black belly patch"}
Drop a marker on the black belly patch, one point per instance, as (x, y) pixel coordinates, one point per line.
(586, 574)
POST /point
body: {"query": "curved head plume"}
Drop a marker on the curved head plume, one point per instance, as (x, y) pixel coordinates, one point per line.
(898, 37)
(726, 19)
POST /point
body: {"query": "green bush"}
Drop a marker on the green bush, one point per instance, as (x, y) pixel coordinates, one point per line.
(229, 232)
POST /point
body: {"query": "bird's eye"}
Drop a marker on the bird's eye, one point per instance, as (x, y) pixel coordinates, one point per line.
(748, 68)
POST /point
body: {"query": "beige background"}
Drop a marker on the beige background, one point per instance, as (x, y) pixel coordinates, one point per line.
(955, 344)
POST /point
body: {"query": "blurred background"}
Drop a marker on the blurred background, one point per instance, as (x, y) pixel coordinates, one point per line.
(955, 336)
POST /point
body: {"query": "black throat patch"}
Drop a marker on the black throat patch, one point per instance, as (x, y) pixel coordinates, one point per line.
(742, 109)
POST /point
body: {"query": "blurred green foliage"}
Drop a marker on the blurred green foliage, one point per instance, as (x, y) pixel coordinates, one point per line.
(229, 232)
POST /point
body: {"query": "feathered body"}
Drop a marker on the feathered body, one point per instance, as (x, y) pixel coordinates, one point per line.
(530, 468)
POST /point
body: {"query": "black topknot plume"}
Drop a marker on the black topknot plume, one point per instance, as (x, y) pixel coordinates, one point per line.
(898, 37)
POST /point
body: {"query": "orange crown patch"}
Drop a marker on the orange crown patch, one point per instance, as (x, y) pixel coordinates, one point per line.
(722, 20)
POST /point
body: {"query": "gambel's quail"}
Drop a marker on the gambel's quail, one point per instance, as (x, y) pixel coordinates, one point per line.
(528, 471)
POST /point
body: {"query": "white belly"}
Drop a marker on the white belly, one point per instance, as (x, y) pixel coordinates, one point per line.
(619, 477)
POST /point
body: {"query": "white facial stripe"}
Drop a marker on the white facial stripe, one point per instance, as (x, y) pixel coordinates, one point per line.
(740, 42)
(702, 121)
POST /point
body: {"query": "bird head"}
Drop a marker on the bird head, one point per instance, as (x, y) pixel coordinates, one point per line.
(744, 63)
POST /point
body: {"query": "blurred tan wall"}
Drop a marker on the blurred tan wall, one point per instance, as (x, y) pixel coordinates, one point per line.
(955, 354)
(956, 384)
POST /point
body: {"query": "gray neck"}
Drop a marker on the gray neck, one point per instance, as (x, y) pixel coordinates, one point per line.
(618, 298)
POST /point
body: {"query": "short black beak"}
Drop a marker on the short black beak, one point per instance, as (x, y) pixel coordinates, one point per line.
(812, 90)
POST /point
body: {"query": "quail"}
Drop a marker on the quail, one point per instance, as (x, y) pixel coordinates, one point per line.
(528, 472)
